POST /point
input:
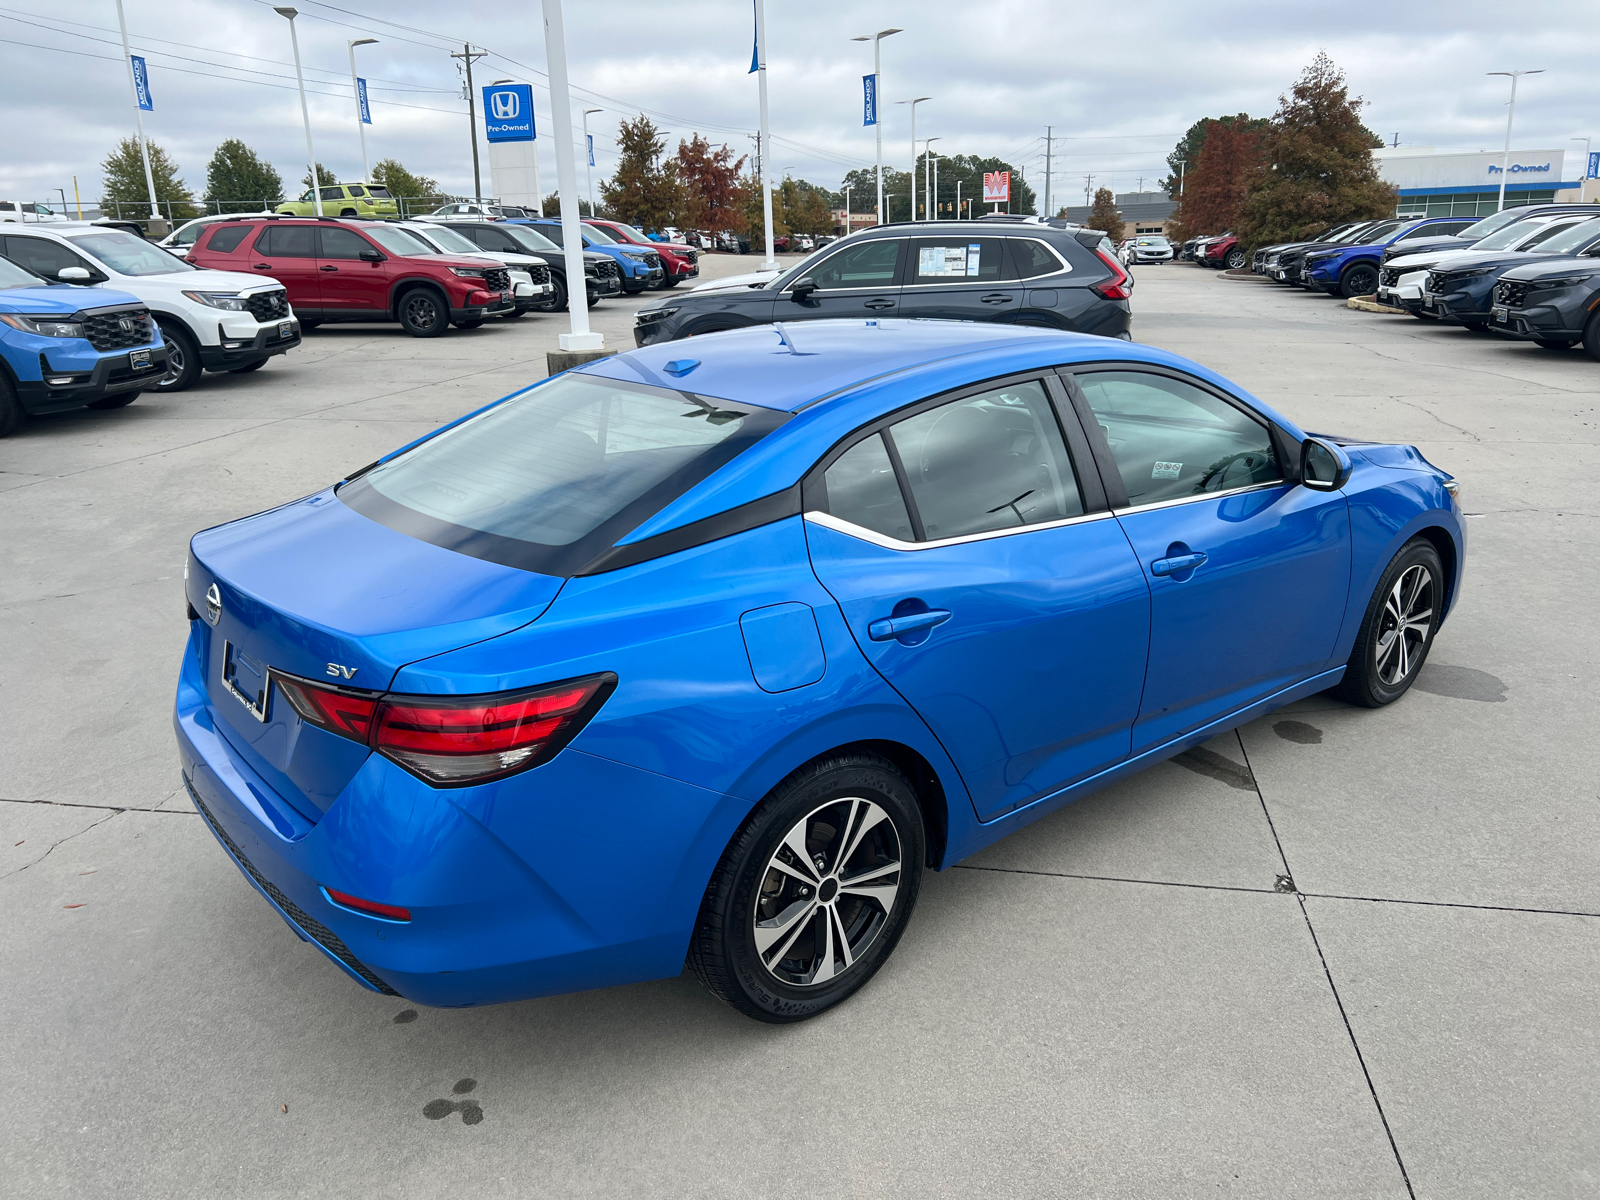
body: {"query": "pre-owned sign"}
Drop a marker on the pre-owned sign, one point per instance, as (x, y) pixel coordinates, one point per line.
(508, 112)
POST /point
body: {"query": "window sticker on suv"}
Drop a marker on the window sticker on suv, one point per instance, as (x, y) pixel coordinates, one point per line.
(949, 260)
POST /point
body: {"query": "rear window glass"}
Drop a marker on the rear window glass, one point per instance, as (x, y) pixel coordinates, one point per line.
(549, 480)
(226, 240)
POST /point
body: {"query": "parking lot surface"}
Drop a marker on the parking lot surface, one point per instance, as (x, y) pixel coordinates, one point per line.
(1341, 953)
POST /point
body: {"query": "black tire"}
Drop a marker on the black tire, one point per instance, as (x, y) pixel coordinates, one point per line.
(557, 300)
(669, 281)
(422, 312)
(12, 414)
(469, 324)
(183, 359)
(120, 400)
(1359, 280)
(1554, 343)
(347, 212)
(248, 367)
(861, 797)
(1380, 671)
(1591, 337)
(1236, 259)
(309, 323)
(632, 289)
(513, 314)
(1422, 314)
(1475, 326)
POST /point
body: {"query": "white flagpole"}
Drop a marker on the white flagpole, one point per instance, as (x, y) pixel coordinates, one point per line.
(766, 137)
(138, 115)
(555, 49)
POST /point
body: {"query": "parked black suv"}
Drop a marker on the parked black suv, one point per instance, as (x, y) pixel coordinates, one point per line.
(1481, 229)
(1022, 273)
(601, 273)
(1551, 302)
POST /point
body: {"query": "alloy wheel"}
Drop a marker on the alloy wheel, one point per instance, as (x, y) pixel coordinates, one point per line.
(175, 364)
(421, 310)
(828, 891)
(1406, 623)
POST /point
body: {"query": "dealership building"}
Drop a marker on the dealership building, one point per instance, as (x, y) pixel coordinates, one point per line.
(1451, 184)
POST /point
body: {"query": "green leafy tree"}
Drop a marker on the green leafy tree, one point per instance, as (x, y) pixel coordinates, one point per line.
(710, 182)
(552, 206)
(326, 177)
(863, 184)
(643, 190)
(969, 170)
(1317, 165)
(238, 180)
(421, 192)
(1218, 183)
(750, 207)
(1105, 216)
(807, 208)
(123, 183)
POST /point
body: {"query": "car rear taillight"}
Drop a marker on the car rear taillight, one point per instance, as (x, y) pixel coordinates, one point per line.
(454, 741)
(1119, 286)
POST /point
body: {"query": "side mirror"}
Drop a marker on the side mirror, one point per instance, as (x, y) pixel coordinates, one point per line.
(802, 287)
(371, 256)
(1324, 467)
(74, 275)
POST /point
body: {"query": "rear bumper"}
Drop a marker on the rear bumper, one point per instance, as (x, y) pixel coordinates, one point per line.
(504, 883)
(110, 376)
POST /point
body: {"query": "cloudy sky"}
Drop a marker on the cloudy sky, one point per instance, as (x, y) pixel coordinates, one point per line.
(999, 72)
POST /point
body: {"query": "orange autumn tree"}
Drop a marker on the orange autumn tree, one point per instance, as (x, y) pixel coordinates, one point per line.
(1218, 184)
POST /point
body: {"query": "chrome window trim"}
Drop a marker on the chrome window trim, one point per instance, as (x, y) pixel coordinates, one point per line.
(829, 521)
(1254, 487)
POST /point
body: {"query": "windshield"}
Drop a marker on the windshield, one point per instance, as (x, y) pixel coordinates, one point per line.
(1545, 237)
(1153, 241)
(13, 276)
(1511, 234)
(398, 241)
(596, 234)
(1376, 234)
(528, 239)
(1571, 239)
(452, 242)
(1492, 222)
(552, 478)
(128, 255)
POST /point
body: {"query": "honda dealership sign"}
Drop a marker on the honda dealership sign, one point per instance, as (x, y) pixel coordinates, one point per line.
(508, 112)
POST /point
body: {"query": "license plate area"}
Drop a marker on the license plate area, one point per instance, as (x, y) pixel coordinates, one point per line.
(285, 329)
(247, 681)
(1500, 314)
(139, 360)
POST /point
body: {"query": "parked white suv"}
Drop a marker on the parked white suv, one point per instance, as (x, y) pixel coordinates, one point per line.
(210, 320)
(530, 276)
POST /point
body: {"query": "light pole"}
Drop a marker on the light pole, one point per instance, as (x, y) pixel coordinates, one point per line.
(555, 49)
(877, 105)
(1585, 142)
(930, 194)
(588, 158)
(958, 199)
(366, 171)
(1182, 162)
(1511, 112)
(289, 14)
(138, 118)
(771, 263)
(913, 171)
(846, 210)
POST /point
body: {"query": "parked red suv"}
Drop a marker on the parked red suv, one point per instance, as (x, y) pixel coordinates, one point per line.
(354, 270)
(680, 262)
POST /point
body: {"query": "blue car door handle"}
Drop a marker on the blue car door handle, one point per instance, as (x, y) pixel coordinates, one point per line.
(1177, 564)
(887, 628)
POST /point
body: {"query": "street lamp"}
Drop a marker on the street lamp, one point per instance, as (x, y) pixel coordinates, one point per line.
(366, 171)
(289, 14)
(913, 172)
(1182, 162)
(1511, 112)
(1585, 142)
(877, 104)
(588, 158)
(846, 210)
(930, 195)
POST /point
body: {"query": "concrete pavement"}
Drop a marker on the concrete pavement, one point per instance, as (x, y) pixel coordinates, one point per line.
(1339, 953)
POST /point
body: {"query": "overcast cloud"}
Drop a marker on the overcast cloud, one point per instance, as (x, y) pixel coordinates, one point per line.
(998, 72)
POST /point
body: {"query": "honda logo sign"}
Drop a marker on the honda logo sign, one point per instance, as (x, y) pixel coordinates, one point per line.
(508, 112)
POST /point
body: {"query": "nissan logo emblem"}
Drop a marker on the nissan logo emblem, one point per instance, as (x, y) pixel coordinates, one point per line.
(213, 605)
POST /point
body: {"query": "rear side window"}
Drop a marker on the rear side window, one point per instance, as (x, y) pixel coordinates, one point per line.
(863, 490)
(1171, 439)
(227, 238)
(550, 479)
(957, 260)
(342, 243)
(553, 232)
(1031, 257)
(288, 241)
(333, 193)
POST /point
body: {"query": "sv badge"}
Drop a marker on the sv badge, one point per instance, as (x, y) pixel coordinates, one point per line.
(339, 672)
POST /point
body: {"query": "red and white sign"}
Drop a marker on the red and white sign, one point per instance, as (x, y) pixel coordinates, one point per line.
(997, 187)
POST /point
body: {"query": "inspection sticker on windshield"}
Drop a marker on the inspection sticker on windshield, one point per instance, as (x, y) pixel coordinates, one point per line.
(934, 261)
(1166, 470)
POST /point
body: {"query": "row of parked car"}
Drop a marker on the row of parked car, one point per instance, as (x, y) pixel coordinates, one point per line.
(1532, 272)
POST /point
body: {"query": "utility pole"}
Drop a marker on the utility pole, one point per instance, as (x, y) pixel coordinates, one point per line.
(1141, 185)
(468, 55)
(1048, 146)
(1088, 189)
(1396, 141)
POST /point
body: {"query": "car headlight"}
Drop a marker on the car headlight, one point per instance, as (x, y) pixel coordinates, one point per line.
(468, 272)
(228, 301)
(1455, 276)
(636, 257)
(43, 326)
(1566, 281)
(645, 316)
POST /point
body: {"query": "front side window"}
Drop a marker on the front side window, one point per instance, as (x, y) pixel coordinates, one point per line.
(342, 243)
(957, 260)
(492, 240)
(188, 235)
(42, 256)
(596, 234)
(288, 241)
(553, 477)
(1171, 439)
(1032, 258)
(529, 239)
(452, 241)
(128, 255)
(553, 232)
(869, 264)
(992, 461)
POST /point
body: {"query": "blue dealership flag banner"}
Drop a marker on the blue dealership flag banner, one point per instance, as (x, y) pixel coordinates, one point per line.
(590, 136)
(508, 112)
(755, 43)
(869, 99)
(361, 99)
(1594, 166)
(141, 83)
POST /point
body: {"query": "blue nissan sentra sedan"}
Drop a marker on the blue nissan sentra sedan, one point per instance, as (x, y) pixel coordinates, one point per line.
(708, 650)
